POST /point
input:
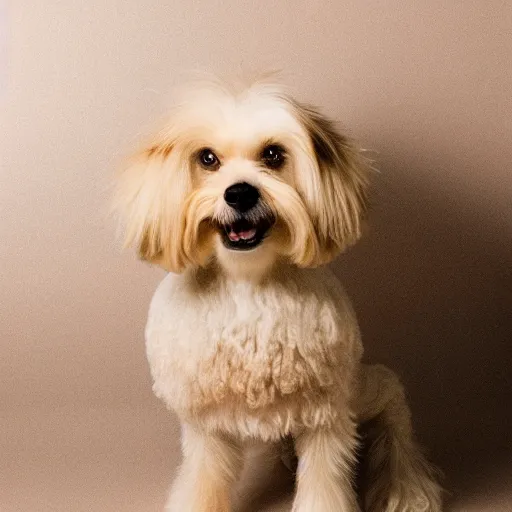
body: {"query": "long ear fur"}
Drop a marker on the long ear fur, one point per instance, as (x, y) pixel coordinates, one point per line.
(337, 197)
(150, 196)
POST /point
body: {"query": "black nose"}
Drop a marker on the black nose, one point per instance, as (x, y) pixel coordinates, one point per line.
(241, 196)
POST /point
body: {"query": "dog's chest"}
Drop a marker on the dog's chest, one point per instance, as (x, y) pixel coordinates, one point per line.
(236, 343)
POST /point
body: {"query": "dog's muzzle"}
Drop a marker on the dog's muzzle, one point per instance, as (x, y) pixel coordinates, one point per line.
(253, 218)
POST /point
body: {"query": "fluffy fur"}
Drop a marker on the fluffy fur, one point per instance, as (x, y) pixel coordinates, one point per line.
(263, 343)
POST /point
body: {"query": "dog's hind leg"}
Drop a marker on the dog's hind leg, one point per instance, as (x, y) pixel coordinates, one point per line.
(396, 477)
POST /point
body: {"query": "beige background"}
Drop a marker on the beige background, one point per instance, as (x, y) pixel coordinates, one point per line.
(426, 84)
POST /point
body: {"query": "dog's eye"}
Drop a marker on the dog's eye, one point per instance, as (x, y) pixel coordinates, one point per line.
(208, 159)
(273, 156)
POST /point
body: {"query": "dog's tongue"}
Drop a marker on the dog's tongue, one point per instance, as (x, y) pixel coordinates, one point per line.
(236, 236)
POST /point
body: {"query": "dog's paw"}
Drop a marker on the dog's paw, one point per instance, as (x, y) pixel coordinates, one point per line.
(404, 497)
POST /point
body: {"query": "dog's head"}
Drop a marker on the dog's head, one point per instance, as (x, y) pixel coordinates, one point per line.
(245, 179)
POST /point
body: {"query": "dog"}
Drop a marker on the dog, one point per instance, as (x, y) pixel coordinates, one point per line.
(243, 197)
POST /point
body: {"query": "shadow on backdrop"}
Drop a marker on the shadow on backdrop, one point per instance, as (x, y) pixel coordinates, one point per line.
(432, 286)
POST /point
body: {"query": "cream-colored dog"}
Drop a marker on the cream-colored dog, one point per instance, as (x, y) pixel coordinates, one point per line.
(243, 197)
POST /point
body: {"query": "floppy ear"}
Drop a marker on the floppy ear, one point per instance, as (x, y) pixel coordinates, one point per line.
(337, 192)
(150, 195)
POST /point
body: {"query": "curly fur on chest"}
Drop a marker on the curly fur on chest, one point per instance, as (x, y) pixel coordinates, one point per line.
(214, 343)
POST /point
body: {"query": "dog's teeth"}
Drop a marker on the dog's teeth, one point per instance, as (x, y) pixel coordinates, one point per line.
(236, 236)
(247, 235)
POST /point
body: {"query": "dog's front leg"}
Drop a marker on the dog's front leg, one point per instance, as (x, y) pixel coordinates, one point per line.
(324, 473)
(210, 466)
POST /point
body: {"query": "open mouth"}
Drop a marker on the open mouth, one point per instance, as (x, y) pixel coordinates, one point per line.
(244, 234)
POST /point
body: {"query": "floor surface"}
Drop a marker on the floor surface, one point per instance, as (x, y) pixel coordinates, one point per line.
(107, 460)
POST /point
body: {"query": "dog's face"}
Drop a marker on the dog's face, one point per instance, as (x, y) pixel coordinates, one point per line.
(245, 179)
